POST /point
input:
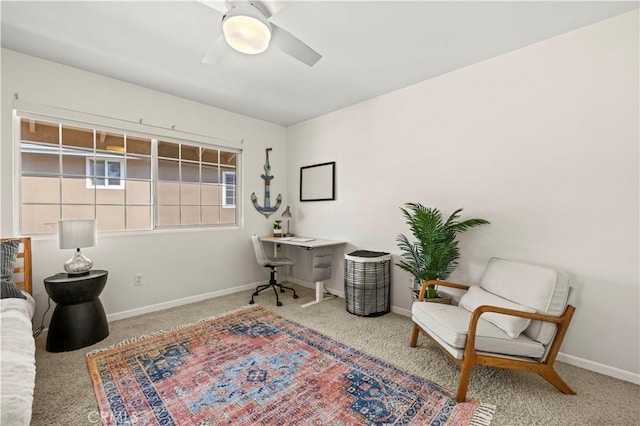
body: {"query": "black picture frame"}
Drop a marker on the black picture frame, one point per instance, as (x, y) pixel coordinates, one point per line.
(318, 182)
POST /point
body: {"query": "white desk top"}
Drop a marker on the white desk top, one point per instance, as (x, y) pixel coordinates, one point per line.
(308, 242)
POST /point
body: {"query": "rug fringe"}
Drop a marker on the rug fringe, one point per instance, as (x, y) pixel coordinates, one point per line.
(161, 332)
(483, 415)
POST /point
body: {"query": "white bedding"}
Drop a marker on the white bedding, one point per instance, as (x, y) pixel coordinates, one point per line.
(17, 361)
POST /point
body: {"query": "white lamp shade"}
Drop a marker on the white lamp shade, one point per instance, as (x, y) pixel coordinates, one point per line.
(74, 234)
(246, 34)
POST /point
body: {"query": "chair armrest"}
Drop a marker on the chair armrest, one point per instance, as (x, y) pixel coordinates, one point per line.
(473, 322)
(442, 283)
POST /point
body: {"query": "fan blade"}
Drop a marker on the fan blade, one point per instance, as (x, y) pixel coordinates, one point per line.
(217, 52)
(268, 7)
(221, 6)
(293, 46)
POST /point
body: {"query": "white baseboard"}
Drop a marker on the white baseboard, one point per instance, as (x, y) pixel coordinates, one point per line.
(179, 302)
(607, 370)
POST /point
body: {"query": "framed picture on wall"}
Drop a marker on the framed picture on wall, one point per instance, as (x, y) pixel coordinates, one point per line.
(318, 182)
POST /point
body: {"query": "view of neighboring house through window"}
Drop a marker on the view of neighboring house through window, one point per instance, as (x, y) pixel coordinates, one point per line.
(71, 172)
(191, 185)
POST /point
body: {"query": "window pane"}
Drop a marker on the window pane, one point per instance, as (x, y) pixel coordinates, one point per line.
(190, 194)
(138, 192)
(138, 146)
(169, 193)
(190, 215)
(210, 195)
(110, 218)
(168, 215)
(228, 158)
(228, 215)
(191, 153)
(77, 162)
(72, 136)
(210, 174)
(78, 211)
(168, 170)
(75, 191)
(109, 196)
(168, 150)
(33, 163)
(111, 142)
(190, 172)
(210, 215)
(114, 173)
(40, 218)
(138, 217)
(210, 155)
(139, 168)
(39, 131)
(37, 189)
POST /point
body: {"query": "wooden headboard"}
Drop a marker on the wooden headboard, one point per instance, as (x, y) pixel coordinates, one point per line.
(23, 264)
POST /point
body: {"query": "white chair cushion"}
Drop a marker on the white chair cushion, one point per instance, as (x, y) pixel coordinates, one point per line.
(542, 288)
(510, 324)
(449, 325)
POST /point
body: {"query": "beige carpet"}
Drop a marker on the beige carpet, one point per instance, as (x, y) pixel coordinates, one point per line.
(64, 395)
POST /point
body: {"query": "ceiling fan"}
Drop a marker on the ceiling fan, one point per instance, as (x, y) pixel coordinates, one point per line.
(247, 29)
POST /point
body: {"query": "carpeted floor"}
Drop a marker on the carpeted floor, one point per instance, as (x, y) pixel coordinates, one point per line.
(64, 394)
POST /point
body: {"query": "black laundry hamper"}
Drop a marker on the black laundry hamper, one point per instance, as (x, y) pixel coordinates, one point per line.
(367, 282)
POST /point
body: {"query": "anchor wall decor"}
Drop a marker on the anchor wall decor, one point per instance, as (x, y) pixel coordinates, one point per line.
(266, 210)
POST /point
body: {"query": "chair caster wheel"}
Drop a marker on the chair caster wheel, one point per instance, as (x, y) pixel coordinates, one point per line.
(295, 296)
(279, 303)
(282, 290)
(251, 302)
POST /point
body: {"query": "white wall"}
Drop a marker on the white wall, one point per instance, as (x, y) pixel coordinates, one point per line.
(174, 264)
(542, 142)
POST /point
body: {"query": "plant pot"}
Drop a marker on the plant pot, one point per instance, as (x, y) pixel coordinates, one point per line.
(442, 298)
(277, 233)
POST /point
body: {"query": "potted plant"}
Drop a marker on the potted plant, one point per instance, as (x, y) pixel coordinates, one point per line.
(434, 254)
(277, 228)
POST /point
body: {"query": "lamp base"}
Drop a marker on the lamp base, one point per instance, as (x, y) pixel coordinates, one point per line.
(78, 264)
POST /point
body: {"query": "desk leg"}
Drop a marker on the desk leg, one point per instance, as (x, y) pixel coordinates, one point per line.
(319, 296)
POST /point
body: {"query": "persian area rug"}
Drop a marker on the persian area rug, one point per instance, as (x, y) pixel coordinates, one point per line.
(252, 366)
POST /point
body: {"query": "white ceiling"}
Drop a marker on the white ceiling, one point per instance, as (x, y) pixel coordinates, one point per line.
(368, 47)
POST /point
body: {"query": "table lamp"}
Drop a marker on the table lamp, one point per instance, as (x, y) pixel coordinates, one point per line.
(76, 234)
(286, 214)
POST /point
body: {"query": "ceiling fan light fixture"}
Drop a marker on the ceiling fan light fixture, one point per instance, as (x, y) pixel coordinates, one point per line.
(246, 33)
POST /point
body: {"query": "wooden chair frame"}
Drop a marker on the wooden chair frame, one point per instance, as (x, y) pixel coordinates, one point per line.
(26, 268)
(472, 358)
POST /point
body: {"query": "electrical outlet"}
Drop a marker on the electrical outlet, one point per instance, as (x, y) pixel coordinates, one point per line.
(137, 281)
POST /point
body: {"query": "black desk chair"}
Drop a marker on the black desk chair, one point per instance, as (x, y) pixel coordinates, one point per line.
(273, 263)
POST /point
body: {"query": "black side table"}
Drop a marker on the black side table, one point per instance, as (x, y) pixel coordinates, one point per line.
(79, 319)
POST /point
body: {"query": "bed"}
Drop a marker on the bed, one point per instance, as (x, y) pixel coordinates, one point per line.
(17, 346)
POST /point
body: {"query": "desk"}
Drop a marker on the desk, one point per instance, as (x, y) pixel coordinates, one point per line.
(321, 258)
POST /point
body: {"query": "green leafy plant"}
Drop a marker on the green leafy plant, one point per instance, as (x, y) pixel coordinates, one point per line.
(434, 254)
(277, 224)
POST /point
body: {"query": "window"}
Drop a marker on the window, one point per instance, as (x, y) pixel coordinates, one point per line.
(102, 173)
(191, 186)
(127, 182)
(229, 188)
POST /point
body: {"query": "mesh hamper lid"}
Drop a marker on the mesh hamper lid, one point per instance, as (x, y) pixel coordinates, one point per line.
(367, 256)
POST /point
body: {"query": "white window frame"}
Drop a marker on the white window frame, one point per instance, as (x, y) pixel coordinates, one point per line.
(29, 110)
(107, 185)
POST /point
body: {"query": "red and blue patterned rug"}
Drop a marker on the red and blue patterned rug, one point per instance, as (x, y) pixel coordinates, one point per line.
(252, 366)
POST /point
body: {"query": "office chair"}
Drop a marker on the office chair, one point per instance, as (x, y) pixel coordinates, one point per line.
(272, 263)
